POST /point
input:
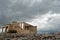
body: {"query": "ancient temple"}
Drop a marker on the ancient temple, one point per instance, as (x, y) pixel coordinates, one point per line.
(19, 28)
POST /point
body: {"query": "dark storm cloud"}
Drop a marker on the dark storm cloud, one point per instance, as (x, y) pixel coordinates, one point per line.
(28, 9)
(3, 7)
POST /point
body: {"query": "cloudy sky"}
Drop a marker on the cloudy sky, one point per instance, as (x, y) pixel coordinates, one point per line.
(43, 13)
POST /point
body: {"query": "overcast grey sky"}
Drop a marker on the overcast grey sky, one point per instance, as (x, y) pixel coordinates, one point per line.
(43, 13)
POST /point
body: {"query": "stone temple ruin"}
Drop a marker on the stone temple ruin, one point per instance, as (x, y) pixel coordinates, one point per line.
(18, 31)
(19, 28)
